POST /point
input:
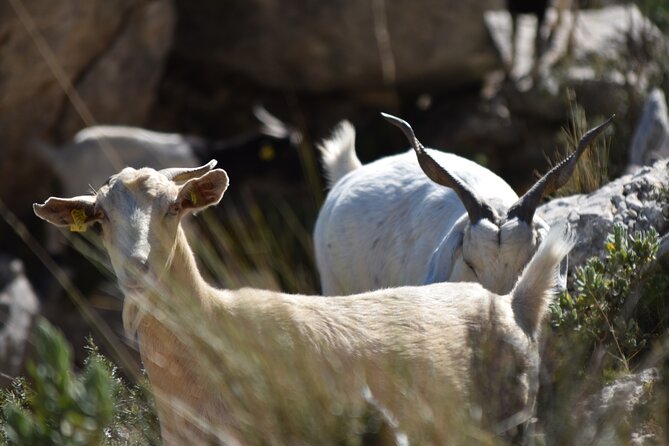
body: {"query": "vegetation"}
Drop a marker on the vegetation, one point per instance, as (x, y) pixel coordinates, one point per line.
(61, 407)
(613, 323)
(657, 11)
(605, 312)
(591, 171)
(596, 336)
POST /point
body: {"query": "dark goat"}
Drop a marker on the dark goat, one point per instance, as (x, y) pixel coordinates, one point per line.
(271, 152)
(535, 7)
(98, 152)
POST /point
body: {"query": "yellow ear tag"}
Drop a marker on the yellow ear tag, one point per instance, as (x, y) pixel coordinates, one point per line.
(78, 220)
(266, 153)
(193, 197)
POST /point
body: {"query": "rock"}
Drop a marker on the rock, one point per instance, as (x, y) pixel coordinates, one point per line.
(113, 54)
(651, 136)
(605, 416)
(119, 86)
(349, 45)
(579, 50)
(582, 35)
(634, 200)
(18, 309)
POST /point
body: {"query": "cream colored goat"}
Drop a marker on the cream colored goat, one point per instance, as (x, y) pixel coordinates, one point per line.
(441, 327)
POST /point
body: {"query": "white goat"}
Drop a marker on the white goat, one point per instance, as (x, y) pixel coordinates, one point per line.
(441, 327)
(99, 151)
(95, 153)
(385, 224)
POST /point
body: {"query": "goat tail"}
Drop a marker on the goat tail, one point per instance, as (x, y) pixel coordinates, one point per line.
(539, 280)
(338, 153)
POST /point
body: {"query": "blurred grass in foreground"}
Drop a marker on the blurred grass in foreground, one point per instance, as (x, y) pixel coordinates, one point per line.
(278, 393)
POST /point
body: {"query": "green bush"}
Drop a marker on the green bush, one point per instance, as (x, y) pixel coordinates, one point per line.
(61, 407)
(601, 312)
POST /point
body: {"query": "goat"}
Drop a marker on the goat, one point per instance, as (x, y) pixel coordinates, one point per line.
(385, 224)
(543, 37)
(439, 327)
(538, 9)
(99, 151)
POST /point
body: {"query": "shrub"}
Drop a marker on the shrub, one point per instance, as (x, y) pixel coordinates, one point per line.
(601, 313)
(61, 407)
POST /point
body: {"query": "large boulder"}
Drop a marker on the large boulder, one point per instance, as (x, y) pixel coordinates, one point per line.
(321, 46)
(111, 52)
(607, 56)
(638, 201)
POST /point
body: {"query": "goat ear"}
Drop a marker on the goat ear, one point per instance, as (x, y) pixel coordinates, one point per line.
(75, 212)
(204, 191)
(445, 256)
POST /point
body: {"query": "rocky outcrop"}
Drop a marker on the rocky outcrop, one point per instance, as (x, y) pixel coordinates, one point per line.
(638, 201)
(650, 141)
(18, 309)
(349, 45)
(615, 414)
(111, 52)
(607, 57)
(580, 40)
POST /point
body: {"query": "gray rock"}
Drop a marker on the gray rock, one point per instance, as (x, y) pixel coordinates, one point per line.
(651, 136)
(19, 307)
(119, 86)
(111, 52)
(582, 35)
(583, 44)
(604, 418)
(323, 46)
(633, 200)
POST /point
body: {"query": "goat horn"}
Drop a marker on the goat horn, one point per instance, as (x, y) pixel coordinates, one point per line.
(476, 208)
(526, 205)
(183, 174)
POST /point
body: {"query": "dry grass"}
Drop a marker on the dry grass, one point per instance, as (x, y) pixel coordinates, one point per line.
(278, 389)
(592, 169)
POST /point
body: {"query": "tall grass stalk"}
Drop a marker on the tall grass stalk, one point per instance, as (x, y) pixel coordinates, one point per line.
(591, 171)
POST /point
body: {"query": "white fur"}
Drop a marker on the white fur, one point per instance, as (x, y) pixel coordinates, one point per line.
(338, 152)
(386, 224)
(96, 153)
(442, 327)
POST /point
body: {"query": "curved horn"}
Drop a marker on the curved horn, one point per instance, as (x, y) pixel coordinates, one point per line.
(476, 208)
(183, 174)
(526, 205)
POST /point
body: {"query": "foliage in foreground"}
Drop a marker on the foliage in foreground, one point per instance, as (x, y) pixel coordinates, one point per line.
(95, 406)
(618, 300)
(613, 321)
(61, 407)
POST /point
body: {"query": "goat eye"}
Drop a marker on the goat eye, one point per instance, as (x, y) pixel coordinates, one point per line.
(174, 209)
(100, 214)
(96, 228)
(471, 267)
